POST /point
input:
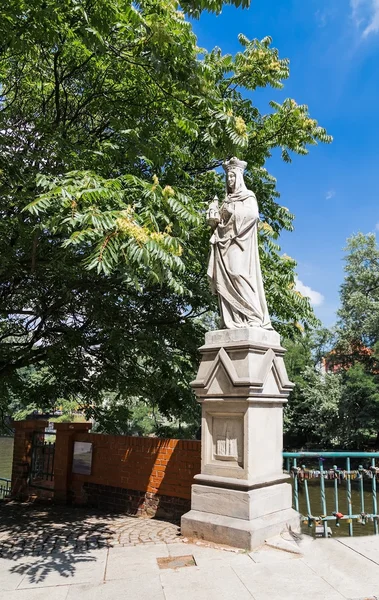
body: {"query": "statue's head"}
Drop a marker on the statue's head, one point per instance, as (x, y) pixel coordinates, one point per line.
(234, 169)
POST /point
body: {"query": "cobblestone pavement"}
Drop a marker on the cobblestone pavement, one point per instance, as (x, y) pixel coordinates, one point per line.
(32, 529)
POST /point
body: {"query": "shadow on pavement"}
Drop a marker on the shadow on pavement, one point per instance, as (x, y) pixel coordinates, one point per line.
(39, 540)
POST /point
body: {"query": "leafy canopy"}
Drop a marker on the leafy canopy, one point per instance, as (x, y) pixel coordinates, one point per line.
(113, 126)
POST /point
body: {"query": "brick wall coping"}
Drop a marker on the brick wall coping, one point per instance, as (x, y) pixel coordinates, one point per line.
(31, 424)
(73, 427)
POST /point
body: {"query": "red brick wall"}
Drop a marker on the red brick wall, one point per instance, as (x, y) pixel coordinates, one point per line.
(143, 476)
(158, 470)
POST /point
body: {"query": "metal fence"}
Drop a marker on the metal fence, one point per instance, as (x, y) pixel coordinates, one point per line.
(356, 471)
(5, 487)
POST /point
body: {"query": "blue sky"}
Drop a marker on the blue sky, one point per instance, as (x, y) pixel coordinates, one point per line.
(333, 47)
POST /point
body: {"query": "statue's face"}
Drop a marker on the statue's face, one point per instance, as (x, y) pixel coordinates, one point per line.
(231, 179)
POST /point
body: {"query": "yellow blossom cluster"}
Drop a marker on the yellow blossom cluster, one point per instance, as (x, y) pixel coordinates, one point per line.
(159, 237)
(130, 228)
(274, 65)
(240, 126)
(261, 53)
(126, 225)
(156, 236)
(309, 123)
(155, 181)
(168, 191)
(266, 227)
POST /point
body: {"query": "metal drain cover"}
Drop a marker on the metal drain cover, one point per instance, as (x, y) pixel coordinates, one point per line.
(176, 562)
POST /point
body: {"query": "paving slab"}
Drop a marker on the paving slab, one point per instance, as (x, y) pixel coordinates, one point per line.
(126, 562)
(367, 546)
(65, 569)
(54, 593)
(270, 555)
(285, 542)
(133, 588)
(218, 582)
(350, 573)
(12, 572)
(288, 580)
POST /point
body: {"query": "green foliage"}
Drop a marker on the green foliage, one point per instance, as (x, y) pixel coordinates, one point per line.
(113, 124)
(317, 416)
(359, 312)
(355, 351)
(138, 417)
(359, 411)
(311, 417)
(23, 413)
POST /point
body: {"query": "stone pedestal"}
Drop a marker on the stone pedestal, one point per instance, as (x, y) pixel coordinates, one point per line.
(241, 496)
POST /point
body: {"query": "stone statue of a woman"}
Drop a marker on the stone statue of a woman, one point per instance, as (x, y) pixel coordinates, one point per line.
(234, 269)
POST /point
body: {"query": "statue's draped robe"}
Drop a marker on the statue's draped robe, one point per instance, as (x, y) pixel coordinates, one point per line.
(234, 268)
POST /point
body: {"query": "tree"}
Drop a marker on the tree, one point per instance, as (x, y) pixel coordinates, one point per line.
(358, 324)
(113, 124)
(355, 351)
(311, 416)
(359, 412)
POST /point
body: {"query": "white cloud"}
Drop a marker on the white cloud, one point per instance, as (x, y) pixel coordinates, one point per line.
(355, 4)
(377, 226)
(330, 194)
(315, 297)
(365, 14)
(321, 17)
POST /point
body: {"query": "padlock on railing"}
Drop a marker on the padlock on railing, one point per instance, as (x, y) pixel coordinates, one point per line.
(338, 516)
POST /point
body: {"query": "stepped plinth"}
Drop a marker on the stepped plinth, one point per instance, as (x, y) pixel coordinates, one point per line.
(241, 497)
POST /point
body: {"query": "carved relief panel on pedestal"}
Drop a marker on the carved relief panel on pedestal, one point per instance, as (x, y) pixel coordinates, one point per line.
(227, 438)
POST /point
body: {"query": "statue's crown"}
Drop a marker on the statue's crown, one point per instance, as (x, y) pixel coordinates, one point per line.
(234, 163)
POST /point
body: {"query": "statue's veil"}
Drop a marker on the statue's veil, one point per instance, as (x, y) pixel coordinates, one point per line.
(240, 191)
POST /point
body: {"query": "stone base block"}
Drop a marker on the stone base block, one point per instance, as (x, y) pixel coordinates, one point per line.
(240, 504)
(239, 533)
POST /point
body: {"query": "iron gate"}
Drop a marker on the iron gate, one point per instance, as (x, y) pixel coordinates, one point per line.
(41, 474)
(5, 487)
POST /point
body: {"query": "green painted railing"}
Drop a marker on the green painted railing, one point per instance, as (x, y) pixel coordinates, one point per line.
(5, 487)
(364, 480)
